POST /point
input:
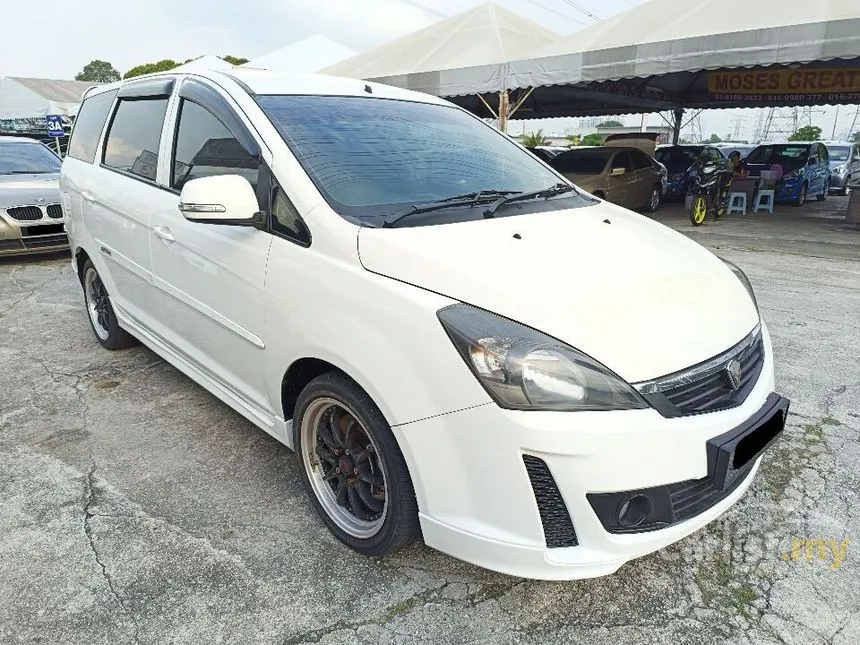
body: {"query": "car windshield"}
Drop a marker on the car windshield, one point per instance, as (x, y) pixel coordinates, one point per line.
(788, 156)
(22, 158)
(373, 157)
(582, 162)
(678, 159)
(838, 153)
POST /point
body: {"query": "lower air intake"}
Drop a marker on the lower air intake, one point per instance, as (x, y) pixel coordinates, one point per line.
(557, 527)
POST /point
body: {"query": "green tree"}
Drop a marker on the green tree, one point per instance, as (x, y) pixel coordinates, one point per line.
(574, 139)
(610, 124)
(807, 133)
(151, 68)
(234, 60)
(98, 71)
(532, 139)
(714, 139)
(593, 139)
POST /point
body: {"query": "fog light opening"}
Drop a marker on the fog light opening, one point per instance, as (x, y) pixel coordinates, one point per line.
(635, 511)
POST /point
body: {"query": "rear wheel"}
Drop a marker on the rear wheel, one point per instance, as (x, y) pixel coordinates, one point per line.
(653, 200)
(823, 195)
(101, 314)
(353, 468)
(699, 210)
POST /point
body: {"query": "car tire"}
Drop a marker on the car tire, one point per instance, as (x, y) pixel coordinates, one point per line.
(801, 199)
(352, 466)
(100, 311)
(653, 200)
(823, 196)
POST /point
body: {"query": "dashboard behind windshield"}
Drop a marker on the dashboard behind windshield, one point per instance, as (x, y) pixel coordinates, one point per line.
(372, 157)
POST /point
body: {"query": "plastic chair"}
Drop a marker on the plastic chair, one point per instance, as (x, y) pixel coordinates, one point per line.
(764, 201)
(737, 203)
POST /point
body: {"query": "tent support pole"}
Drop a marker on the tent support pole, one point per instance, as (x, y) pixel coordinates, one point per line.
(521, 100)
(504, 110)
(489, 107)
(676, 135)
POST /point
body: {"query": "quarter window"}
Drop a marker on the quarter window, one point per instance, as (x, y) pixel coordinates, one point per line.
(205, 147)
(286, 219)
(622, 160)
(135, 135)
(89, 125)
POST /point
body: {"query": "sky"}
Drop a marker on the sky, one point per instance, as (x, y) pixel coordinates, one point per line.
(130, 33)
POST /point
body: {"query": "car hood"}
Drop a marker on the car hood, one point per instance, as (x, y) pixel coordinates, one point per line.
(21, 190)
(635, 295)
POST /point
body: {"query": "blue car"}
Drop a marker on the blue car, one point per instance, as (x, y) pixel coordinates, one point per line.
(805, 169)
(680, 162)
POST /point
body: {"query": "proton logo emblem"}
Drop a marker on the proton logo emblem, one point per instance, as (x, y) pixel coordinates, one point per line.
(733, 372)
(40, 200)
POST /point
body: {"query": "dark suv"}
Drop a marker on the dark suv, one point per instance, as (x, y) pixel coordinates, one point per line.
(680, 162)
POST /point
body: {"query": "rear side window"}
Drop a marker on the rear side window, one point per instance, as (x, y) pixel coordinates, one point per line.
(622, 160)
(205, 147)
(134, 136)
(89, 125)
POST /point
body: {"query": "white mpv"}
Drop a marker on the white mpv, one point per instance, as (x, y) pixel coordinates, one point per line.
(452, 338)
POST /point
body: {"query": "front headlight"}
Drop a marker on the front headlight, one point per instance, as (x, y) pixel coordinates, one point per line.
(523, 369)
(743, 278)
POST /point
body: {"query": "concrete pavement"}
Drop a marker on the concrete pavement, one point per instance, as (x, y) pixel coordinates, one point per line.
(136, 508)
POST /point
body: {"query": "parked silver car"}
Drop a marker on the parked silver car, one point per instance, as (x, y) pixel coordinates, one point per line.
(31, 217)
(844, 163)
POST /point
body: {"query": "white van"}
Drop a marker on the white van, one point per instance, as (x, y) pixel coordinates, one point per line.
(452, 337)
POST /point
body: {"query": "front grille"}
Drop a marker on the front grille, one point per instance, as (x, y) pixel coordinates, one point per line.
(55, 211)
(25, 213)
(708, 387)
(44, 241)
(557, 526)
(690, 498)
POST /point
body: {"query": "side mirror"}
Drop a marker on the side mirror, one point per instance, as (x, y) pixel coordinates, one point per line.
(221, 199)
(617, 172)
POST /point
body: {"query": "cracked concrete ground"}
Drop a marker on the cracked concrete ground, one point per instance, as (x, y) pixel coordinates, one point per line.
(136, 508)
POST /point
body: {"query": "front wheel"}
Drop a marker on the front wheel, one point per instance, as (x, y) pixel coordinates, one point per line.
(353, 468)
(101, 314)
(653, 200)
(801, 198)
(699, 210)
(823, 196)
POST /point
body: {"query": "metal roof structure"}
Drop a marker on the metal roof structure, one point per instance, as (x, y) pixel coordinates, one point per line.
(35, 97)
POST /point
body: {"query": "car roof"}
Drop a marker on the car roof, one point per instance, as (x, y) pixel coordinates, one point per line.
(6, 139)
(601, 148)
(260, 81)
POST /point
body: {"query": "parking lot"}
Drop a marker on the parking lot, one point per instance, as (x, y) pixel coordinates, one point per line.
(135, 507)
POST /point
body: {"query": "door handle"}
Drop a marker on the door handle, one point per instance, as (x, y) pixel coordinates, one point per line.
(88, 196)
(164, 234)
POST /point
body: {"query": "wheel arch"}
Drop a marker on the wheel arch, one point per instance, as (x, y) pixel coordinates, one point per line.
(81, 257)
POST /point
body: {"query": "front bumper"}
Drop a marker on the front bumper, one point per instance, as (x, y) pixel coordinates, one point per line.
(477, 498)
(838, 182)
(27, 237)
(788, 191)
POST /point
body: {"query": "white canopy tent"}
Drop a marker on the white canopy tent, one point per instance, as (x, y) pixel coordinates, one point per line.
(660, 55)
(30, 98)
(308, 55)
(204, 63)
(667, 36)
(433, 59)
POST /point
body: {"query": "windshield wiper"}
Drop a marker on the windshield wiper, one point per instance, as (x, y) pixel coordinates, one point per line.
(466, 199)
(545, 193)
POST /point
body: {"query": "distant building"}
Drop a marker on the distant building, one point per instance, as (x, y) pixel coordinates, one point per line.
(664, 131)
